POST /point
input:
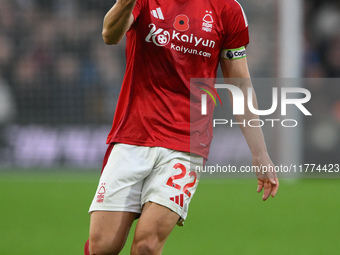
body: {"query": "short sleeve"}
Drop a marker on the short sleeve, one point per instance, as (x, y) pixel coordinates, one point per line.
(138, 8)
(235, 27)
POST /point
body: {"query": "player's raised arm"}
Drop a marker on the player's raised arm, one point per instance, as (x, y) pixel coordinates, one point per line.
(117, 21)
(237, 70)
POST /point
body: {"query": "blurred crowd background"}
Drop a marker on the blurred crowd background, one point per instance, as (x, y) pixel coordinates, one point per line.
(322, 39)
(53, 59)
(59, 81)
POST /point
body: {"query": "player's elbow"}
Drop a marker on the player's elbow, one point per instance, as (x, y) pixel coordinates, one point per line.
(109, 41)
(108, 38)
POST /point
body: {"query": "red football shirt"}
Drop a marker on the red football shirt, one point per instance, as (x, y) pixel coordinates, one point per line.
(170, 42)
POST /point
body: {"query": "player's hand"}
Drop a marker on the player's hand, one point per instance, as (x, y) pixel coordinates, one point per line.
(267, 179)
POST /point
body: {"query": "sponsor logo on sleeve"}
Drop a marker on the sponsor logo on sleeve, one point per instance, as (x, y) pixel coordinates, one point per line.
(234, 53)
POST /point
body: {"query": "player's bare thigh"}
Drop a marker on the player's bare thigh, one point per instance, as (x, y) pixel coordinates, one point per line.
(109, 231)
(153, 228)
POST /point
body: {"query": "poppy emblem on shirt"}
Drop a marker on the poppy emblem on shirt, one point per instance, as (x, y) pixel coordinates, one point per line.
(181, 23)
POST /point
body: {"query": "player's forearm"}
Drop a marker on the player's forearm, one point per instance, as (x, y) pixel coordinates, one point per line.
(253, 135)
(236, 72)
(118, 21)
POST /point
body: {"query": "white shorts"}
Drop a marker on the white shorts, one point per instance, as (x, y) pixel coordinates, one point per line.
(134, 175)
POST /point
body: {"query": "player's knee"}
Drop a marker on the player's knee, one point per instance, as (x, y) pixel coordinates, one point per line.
(145, 247)
(100, 246)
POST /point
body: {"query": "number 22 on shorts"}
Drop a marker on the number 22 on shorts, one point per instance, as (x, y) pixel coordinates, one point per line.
(171, 180)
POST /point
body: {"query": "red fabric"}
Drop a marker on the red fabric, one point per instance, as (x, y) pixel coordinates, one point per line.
(237, 34)
(107, 155)
(86, 248)
(154, 103)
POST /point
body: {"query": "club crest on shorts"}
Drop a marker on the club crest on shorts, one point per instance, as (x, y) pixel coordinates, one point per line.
(101, 192)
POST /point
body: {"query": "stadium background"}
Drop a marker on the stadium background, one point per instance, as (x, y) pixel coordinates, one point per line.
(58, 88)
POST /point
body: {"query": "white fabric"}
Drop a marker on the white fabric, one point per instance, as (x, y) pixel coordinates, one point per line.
(135, 175)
